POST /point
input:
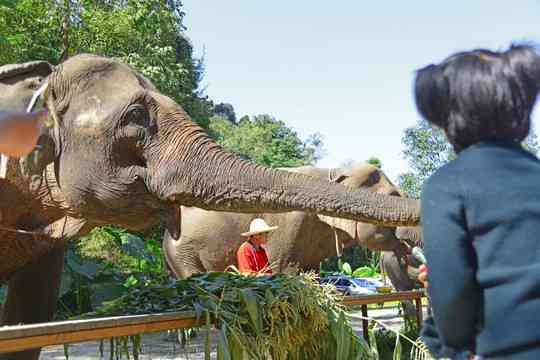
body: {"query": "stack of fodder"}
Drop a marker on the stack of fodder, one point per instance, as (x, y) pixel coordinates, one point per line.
(281, 316)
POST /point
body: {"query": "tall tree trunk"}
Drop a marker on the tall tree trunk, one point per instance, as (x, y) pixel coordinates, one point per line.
(65, 31)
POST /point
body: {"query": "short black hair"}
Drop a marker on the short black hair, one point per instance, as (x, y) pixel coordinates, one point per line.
(480, 95)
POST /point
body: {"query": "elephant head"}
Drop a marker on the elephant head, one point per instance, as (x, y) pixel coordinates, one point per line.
(127, 154)
(359, 176)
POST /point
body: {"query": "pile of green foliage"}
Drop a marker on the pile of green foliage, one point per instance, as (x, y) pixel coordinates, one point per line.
(387, 340)
(279, 317)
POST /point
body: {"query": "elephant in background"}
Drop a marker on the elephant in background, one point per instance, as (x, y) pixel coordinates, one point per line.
(209, 239)
(403, 272)
(119, 152)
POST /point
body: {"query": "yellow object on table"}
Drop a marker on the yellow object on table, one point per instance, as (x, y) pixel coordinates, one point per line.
(384, 289)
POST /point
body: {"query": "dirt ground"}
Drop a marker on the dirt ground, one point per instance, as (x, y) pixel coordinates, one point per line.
(153, 346)
(157, 346)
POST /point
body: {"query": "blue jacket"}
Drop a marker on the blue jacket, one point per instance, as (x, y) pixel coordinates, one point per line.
(481, 230)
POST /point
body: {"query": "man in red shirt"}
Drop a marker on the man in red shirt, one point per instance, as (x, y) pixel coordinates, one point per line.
(251, 256)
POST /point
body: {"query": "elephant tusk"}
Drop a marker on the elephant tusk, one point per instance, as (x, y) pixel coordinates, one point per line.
(338, 245)
(36, 96)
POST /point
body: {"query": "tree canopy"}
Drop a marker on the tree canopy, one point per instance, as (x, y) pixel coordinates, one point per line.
(427, 149)
(266, 140)
(147, 34)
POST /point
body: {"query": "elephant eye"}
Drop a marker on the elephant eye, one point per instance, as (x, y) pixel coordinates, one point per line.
(137, 114)
(34, 83)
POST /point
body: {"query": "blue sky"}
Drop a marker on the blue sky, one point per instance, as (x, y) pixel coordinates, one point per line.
(343, 68)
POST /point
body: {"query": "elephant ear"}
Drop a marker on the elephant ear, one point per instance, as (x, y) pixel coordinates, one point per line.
(12, 73)
(346, 225)
(18, 82)
(349, 226)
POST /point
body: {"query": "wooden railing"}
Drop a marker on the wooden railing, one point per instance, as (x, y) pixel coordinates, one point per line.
(23, 337)
(365, 300)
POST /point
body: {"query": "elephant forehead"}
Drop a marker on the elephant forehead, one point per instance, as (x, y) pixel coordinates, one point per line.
(86, 76)
(98, 104)
(92, 116)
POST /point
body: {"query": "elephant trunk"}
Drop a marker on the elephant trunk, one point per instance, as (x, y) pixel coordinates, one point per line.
(200, 173)
(412, 234)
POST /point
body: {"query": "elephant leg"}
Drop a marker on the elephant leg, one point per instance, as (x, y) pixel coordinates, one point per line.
(32, 295)
(181, 256)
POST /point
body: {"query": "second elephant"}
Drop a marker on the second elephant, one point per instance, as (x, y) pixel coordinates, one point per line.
(404, 274)
(209, 239)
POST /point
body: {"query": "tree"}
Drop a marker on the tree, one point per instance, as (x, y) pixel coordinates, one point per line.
(266, 141)
(225, 111)
(147, 34)
(427, 149)
(374, 161)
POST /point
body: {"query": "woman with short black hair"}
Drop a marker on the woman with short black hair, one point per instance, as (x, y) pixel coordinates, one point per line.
(481, 211)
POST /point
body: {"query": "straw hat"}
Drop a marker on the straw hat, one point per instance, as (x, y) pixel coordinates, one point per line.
(258, 226)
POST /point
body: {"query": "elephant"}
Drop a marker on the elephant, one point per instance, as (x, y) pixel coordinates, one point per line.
(210, 239)
(403, 272)
(116, 151)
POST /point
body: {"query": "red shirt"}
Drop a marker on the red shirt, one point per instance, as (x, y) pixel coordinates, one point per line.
(251, 259)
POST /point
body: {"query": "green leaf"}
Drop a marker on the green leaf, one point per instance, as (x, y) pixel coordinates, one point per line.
(223, 352)
(131, 281)
(235, 345)
(364, 271)
(346, 268)
(397, 349)
(250, 299)
(134, 246)
(66, 281)
(343, 338)
(83, 267)
(105, 291)
(373, 345)
(208, 342)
